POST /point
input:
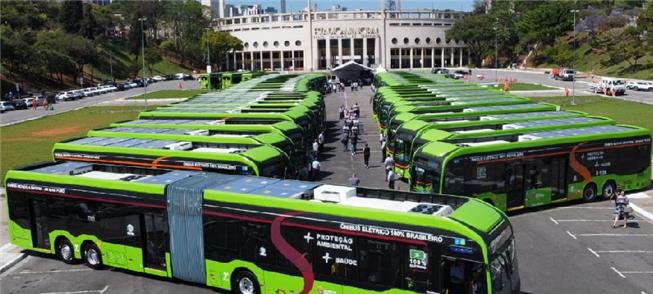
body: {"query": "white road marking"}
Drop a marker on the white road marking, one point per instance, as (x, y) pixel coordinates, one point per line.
(615, 235)
(625, 251)
(640, 195)
(554, 221)
(572, 235)
(638, 272)
(101, 291)
(28, 272)
(590, 220)
(593, 252)
(618, 272)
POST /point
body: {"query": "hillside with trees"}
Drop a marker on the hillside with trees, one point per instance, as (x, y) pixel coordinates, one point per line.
(612, 37)
(52, 44)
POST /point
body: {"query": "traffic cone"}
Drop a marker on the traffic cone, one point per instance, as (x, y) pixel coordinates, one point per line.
(505, 87)
(566, 92)
(614, 93)
(179, 86)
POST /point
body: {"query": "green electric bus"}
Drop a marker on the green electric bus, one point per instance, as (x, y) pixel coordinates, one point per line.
(467, 114)
(204, 136)
(260, 160)
(213, 127)
(261, 235)
(404, 149)
(537, 168)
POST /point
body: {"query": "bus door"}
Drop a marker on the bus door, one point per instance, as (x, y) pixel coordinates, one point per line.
(39, 224)
(515, 185)
(154, 240)
(462, 276)
(559, 178)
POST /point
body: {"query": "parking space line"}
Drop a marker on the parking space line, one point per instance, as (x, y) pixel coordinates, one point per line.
(101, 291)
(638, 272)
(572, 235)
(28, 272)
(554, 221)
(587, 220)
(618, 272)
(625, 251)
(593, 252)
(615, 235)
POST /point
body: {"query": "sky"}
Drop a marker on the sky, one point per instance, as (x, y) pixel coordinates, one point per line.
(295, 5)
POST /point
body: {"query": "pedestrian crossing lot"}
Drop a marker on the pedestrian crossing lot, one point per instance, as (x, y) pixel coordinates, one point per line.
(579, 242)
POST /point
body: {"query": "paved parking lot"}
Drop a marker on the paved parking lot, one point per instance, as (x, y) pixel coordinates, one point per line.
(574, 249)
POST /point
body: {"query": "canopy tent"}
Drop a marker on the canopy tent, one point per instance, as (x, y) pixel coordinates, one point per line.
(351, 71)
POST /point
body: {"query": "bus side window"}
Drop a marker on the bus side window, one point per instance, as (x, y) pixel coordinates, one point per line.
(222, 238)
(379, 263)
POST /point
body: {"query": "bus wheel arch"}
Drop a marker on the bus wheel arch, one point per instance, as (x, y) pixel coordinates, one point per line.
(65, 250)
(609, 189)
(92, 255)
(589, 192)
(244, 281)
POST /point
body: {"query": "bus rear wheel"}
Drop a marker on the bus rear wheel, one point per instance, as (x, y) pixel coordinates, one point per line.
(92, 256)
(65, 251)
(245, 283)
(589, 193)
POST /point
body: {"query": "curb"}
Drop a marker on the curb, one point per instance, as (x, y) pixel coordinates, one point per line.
(12, 262)
(641, 211)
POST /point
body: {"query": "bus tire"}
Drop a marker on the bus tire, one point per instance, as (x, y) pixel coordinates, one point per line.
(245, 282)
(609, 189)
(92, 256)
(589, 193)
(65, 250)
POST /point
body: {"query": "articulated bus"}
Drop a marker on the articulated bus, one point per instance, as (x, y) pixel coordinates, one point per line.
(416, 132)
(260, 160)
(537, 168)
(404, 149)
(260, 235)
(299, 117)
(455, 106)
(204, 136)
(217, 127)
(467, 114)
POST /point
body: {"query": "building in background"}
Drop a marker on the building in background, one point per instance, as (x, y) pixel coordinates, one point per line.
(391, 39)
(282, 6)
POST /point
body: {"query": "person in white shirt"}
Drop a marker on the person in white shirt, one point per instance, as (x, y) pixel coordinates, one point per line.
(389, 164)
(315, 170)
(320, 141)
(391, 179)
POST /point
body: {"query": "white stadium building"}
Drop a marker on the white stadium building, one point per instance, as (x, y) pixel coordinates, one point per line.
(391, 39)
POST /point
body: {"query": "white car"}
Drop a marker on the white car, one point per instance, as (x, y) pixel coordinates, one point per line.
(6, 106)
(158, 78)
(609, 85)
(66, 96)
(640, 86)
(109, 88)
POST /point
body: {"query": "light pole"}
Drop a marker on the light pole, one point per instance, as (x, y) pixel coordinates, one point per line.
(496, 51)
(208, 52)
(142, 19)
(573, 63)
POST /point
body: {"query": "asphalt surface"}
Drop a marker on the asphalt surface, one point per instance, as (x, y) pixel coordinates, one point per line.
(16, 116)
(569, 248)
(582, 83)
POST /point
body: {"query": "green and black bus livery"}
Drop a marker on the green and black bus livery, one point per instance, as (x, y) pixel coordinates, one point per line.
(538, 168)
(259, 160)
(507, 131)
(260, 235)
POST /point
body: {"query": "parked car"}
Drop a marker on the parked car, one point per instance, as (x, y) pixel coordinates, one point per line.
(6, 106)
(640, 86)
(19, 104)
(183, 76)
(64, 96)
(439, 70)
(459, 74)
(158, 78)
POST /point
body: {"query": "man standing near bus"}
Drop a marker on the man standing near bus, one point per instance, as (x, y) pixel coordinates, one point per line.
(315, 169)
(391, 179)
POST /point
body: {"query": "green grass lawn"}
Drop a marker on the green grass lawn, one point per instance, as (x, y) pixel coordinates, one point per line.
(624, 112)
(31, 141)
(525, 87)
(171, 94)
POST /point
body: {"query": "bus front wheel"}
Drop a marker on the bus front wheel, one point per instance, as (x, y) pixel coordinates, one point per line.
(65, 251)
(589, 193)
(609, 189)
(92, 256)
(245, 283)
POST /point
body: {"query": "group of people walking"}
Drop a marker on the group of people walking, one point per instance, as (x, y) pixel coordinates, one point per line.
(351, 129)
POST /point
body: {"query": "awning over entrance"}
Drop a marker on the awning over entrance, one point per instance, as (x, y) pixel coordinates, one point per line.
(351, 71)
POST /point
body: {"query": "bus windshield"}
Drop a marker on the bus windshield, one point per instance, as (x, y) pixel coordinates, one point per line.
(503, 264)
(402, 147)
(425, 174)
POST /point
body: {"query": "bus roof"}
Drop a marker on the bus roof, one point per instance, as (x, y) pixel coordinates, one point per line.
(437, 211)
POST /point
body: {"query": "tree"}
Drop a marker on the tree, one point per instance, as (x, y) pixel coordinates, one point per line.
(545, 23)
(152, 56)
(89, 28)
(187, 22)
(219, 44)
(70, 15)
(477, 32)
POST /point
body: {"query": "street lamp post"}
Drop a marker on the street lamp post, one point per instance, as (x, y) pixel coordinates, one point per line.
(573, 63)
(496, 51)
(143, 19)
(208, 52)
